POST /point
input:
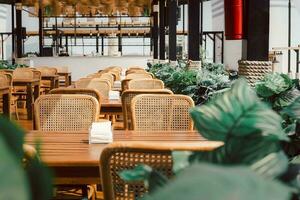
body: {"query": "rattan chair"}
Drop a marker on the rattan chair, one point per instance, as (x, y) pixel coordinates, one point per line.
(161, 112)
(146, 84)
(126, 98)
(65, 112)
(118, 157)
(109, 77)
(138, 76)
(103, 86)
(46, 71)
(6, 81)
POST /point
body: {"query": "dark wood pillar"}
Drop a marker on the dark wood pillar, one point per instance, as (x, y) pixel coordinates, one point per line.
(41, 34)
(97, 39)
(258, 12)
(120, 39)
(19, 33)
(155, 28)
(172, 19)
(194, 30)
(162, 44)
(13, 40)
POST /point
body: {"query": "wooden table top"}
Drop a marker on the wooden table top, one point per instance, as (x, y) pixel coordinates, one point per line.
(111, 103)
(73, 149)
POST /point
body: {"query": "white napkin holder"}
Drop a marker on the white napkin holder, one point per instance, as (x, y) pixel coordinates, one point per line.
(101, 133)
(114, 95)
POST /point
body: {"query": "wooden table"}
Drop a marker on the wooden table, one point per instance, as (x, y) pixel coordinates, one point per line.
(74, 161)
(32, 92)
(5, 96)
(54, 80)
(111, 107)
(67, 76)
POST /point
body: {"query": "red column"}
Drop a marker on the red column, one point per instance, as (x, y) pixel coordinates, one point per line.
(234, 19)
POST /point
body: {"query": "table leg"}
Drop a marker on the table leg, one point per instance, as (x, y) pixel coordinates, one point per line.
(57, 83)
(29, 101)
(52, 81)
(6, 105)
(66, 80)
(70, 79)
(36, 92)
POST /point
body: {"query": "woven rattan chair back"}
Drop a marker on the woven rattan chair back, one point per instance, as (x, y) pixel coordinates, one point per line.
(120, 156)
(62, 69)
(124, 84)
(139, 84)
(23, 73)
(86, 91)
(131, 71)
(5, 80)
(126, 98)
(47, 71)
(103, 86)
(161, 112)
(254, 71)
(64, 113)
(139, 76)
(109, 77)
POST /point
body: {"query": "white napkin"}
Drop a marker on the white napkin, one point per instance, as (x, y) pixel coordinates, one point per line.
(101, 132)
(114, 95)
(117, 84)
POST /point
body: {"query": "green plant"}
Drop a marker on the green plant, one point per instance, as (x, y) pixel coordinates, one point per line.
(252, 135)
(278, 90)
(4, 64)
(18, 182)
(201, 84)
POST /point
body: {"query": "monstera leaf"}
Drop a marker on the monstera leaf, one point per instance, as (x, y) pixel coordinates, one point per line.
(204, 181)
(237, 113)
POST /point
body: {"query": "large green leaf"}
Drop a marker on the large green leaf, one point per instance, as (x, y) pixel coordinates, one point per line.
(151, 178)
(203, 181)
(13, 136)
(293, 110)
(273, 84)
(238, 151)
(272, 166)
(237, 113)
(13, 182)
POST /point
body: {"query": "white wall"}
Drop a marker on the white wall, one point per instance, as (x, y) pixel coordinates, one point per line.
(279, 29)
(2, 26)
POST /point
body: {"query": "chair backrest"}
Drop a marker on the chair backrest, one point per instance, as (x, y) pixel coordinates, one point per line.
(109, 77)
(5, 80)
(103, 86)
(138, 76)
(155, 112)
(64, 113)
(23, 73)
(146, 84)
(124, 84)
(62, 69)
(128, 95)
(47, 71)
(130, 71)
(119, 156)
(86, 91)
